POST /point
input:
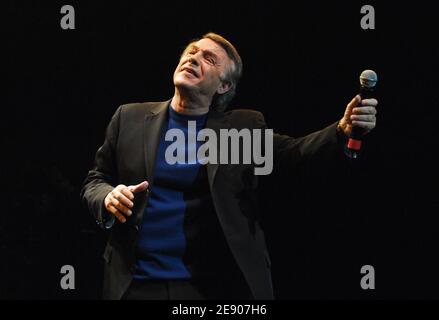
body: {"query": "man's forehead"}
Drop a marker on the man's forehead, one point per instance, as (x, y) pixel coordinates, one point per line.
(208, 44)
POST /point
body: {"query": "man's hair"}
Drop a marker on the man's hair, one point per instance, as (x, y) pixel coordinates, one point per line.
(221, 101)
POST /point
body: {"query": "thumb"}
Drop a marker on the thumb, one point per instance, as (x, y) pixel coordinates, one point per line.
(139, 187)
(351, 105)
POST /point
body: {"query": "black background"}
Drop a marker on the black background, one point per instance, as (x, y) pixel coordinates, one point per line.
(301, 66)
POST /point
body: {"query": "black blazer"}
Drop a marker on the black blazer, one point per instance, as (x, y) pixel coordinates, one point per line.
(127, 157)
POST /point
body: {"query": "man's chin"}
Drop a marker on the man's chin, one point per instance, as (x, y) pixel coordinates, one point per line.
(185, 85)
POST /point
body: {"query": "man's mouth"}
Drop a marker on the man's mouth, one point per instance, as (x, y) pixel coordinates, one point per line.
(191, 71)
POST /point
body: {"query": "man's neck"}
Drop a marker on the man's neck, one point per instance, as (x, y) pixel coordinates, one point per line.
(188, 105)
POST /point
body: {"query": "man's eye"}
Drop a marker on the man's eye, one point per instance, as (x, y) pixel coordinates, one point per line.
(211, 60)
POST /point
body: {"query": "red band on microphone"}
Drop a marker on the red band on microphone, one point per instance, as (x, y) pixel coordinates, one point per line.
(354, 144)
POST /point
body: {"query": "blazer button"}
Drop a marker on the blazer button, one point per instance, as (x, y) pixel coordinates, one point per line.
(136, 227)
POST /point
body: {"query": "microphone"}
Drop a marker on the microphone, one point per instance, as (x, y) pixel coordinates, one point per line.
(368, 80)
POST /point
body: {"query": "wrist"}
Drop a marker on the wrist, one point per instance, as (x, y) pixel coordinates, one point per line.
(340, 131)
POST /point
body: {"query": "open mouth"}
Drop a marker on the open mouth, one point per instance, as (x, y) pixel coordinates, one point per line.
(191, 71)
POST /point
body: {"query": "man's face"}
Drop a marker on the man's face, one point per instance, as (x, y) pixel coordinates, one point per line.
(201, 68)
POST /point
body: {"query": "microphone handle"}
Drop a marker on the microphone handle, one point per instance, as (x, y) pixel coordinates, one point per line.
(355, 139)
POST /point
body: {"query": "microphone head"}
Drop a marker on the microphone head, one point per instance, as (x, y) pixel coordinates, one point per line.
(368, 79)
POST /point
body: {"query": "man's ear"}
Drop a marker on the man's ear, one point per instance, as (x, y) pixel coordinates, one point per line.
(224, 87)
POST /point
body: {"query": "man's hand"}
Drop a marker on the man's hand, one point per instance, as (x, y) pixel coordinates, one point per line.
(120, 200)
(359, 113)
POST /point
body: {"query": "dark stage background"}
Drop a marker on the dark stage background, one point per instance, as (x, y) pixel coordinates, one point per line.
(301, 66)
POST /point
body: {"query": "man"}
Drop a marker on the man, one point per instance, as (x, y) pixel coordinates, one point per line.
(191, 231)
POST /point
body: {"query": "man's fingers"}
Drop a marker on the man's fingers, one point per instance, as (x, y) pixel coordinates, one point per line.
(363, 124)
(119, 206)
(127, 193)
(117, 214)
(366, 118)
(364, 110)
(139, 187)
(369, 102)
(122, 198)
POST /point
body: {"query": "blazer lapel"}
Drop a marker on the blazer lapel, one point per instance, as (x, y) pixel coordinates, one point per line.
(215, 121)
(153, 124)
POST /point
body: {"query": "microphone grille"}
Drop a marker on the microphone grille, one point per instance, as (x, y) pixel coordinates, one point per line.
(368, 78)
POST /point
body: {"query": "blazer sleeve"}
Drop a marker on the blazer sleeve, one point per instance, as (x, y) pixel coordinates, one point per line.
(324, 144)
(103, 177)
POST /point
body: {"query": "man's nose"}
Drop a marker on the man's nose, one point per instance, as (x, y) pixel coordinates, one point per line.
(193, 59)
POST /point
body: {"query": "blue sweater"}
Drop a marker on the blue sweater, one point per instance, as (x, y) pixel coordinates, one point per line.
(162, 240)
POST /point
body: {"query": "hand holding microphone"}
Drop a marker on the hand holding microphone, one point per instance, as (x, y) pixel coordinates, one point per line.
(360, 114)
